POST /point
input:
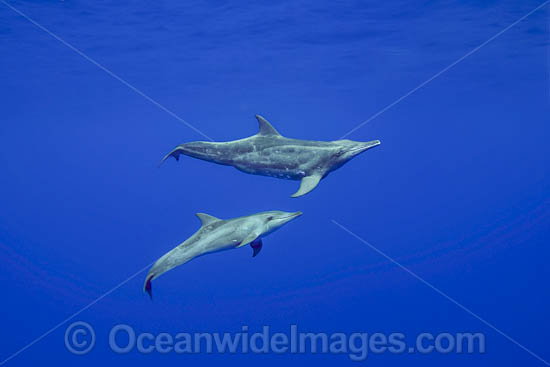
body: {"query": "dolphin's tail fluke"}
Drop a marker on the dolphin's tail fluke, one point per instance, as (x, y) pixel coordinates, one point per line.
(147, 287)
(174, 153)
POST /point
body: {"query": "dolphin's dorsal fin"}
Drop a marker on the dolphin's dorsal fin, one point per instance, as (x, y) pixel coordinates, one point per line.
(308, 183)
(265, 127)
(206, 219)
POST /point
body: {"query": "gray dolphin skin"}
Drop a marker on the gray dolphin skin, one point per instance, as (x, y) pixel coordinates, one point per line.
(218, 235)
(268, 153)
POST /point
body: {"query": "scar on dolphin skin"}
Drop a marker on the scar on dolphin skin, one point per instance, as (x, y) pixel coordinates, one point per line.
(268, 153)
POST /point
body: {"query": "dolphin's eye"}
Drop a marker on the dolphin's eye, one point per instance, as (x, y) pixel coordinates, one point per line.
(269, 218)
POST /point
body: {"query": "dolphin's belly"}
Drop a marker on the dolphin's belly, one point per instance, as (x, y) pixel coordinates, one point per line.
(288, 162)
(217, 244)
(223, 238)
(272, 171)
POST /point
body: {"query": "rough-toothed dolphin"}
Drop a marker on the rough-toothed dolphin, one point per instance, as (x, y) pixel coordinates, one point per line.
(217, 235)
(268, 153)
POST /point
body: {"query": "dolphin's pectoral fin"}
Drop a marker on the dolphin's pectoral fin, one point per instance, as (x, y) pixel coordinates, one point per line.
(256, 246)
(308, 184)
(250, 238)
(174, 153)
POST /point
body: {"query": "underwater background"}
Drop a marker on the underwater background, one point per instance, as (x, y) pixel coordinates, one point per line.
(457, 192)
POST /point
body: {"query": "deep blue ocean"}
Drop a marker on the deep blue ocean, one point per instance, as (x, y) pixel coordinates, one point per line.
(93, 94)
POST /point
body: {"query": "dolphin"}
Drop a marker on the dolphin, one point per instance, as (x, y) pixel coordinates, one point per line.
(268, 153)
(218, 235)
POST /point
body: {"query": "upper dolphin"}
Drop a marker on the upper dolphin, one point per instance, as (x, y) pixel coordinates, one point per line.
(269, 153)
(217, 235)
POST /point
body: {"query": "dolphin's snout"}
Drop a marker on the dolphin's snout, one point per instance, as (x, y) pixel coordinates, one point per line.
(287, 217)
(364, 146)
(370, 144)
(292, 216)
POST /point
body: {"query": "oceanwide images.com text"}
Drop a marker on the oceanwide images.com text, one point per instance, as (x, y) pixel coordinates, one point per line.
(80, 338)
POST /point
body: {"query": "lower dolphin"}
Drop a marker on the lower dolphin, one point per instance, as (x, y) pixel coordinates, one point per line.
(217, 235)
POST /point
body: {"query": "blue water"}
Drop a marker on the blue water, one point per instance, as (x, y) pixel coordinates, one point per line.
(457, 193)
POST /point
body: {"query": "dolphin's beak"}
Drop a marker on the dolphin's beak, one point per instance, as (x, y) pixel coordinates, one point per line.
(290, 217)
(295, 214)
(364, 146)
